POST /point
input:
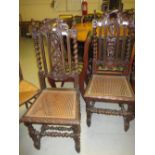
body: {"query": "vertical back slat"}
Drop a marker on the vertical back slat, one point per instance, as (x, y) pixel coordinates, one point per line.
(39, 61)
(62, 50)
(105, 43)
(69, 52)
(124, 38)
(131, 60)
(73, 34)
(100, 43)
(49, 49)
(94, 45)
(43, 53)
(37, 51)
(117, 42)
(129, 44)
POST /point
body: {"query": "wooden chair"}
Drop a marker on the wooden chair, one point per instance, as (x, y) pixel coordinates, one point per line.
(67, 48)
(113, 54)
(132, 76)
(57, 110)
(28, 92)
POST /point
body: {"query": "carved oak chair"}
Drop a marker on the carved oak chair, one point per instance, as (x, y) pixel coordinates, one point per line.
(113, 54)
(28, 92)
(132, 76)
(57, 110)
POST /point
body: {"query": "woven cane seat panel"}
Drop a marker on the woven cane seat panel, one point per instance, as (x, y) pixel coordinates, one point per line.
(55, 104)
(26, 91)
(109, 86)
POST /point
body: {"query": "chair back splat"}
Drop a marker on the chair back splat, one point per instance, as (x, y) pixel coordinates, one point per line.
(113, 54)
(113, 41)
(56, 52)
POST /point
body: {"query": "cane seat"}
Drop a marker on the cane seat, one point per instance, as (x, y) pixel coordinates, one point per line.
(110, 87)
(60, 106)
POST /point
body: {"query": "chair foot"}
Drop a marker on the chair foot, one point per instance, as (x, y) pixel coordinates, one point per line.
(88, 119)
(126, 124)
(37, 143)
(77, 144)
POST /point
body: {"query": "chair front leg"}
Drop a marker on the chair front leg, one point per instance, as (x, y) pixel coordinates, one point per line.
(127, 119)
(76, 130)
(34, 134)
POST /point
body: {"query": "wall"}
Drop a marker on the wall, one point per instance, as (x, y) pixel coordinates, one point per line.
(40, 9)
(128, 4)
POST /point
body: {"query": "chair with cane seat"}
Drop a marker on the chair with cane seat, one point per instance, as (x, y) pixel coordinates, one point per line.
(113, 54)
(57, 110)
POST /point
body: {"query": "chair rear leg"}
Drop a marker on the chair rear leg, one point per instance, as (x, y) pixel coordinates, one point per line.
(81, 87)
(89, 105)
(62, 84)
(52, 83)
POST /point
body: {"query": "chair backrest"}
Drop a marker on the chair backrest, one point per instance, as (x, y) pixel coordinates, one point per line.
(56, 51)
(113, 44)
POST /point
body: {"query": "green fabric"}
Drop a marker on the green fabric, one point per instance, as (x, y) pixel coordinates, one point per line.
(80, 67)
(104, 68)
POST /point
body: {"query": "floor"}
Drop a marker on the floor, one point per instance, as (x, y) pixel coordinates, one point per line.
(106, 136)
